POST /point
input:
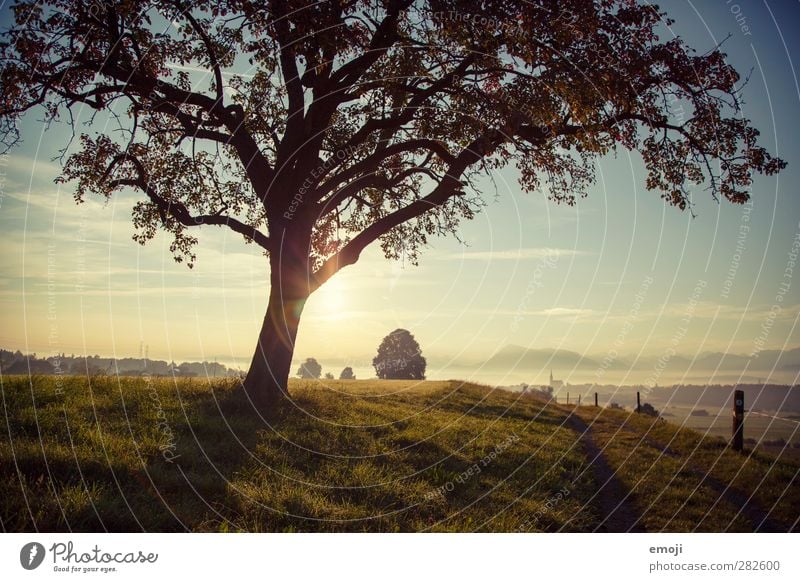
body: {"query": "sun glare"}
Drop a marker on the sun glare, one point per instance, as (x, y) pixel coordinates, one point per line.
(332, 297)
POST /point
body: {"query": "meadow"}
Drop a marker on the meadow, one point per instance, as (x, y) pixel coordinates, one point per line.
(161, 454)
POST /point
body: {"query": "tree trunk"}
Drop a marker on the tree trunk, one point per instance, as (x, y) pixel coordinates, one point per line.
(266, 383)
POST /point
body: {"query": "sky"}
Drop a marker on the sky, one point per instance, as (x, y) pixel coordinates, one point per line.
(618, 272)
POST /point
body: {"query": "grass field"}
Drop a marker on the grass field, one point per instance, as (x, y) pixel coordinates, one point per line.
(132, 454)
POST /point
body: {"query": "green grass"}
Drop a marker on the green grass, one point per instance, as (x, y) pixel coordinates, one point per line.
(89, 455)
(683, 480)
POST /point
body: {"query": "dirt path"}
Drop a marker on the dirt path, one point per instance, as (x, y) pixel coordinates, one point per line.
(616, 504)
(613, 499)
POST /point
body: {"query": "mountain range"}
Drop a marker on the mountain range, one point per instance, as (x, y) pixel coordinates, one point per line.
(782, 364)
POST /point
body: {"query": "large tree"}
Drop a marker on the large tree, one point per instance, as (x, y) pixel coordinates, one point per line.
(399, 357)
(314, 129)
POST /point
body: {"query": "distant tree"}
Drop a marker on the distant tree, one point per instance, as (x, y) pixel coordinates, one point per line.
(399, 357)
(322, 128)
(347, 374)
(89, 369)
(328, 376)
(310, 369)
(188, 369)
(29, 366)
(615, 406)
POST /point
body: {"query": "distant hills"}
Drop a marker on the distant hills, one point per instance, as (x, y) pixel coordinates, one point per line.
(777, 364)
(509, 365)
(513, 356)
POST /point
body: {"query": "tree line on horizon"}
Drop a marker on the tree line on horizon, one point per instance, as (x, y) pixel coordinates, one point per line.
(18, 363)
(399, 357)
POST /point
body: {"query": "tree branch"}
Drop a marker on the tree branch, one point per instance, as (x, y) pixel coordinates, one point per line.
(369, 164)
(178, 210)
(382, 40)
(447, 188)
(212, 56)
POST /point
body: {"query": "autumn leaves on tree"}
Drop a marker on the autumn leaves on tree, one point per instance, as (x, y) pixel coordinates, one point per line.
(316, 129)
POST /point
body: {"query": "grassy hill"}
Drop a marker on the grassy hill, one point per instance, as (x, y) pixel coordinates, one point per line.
(132, 454)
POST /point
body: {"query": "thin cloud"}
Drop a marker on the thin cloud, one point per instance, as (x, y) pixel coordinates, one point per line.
(711, 310)
(561, 312)
(514, 254)
(38, 168)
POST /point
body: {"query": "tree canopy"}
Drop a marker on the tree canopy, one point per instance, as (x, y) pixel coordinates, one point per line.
(316, 129)
(399, 357)
(368, 119)
(309, 369)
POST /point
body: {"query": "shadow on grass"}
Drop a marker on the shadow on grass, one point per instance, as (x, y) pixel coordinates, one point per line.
(116, 454)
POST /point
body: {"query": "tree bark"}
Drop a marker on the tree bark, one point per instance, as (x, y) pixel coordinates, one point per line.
(266, 383)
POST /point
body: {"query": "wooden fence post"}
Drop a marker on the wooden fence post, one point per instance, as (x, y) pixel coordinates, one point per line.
(638, 403)
(567, 397)
(737, 429)
(595, 398)
(579, 399)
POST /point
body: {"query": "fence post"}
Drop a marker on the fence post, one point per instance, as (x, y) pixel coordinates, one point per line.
(638, 403)
(595, 398)
(567, 397)
(737, 429)
(579, 399)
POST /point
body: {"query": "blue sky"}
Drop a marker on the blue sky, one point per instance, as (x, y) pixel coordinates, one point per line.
(534, 273)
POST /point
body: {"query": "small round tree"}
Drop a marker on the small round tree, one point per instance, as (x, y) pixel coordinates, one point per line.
(399, 357)
(347, 374)
(311, 368)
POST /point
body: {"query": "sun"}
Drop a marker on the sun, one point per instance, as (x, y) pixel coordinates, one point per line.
(332, 296)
